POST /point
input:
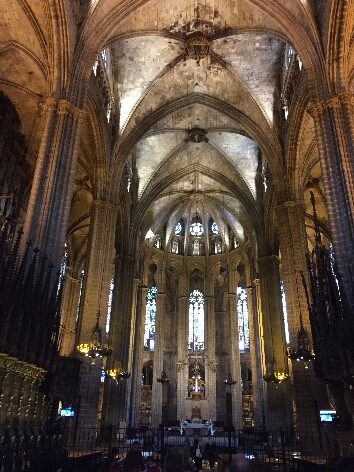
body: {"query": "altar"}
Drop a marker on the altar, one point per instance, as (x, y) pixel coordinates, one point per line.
(195, 426)
(196, 429)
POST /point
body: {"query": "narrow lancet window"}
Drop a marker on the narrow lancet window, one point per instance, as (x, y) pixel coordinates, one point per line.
(79, 300)
(109, 305)
(285, 313)
(242, 320)
(150, 316)
(196, 321)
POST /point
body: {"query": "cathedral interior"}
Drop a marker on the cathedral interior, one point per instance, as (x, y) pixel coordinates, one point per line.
(177, 216)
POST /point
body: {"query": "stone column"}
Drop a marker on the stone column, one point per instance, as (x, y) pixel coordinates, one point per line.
(4, 374)
(278, 413)
(255, 354)
(137, 361)
(211, 366)
(235, 360)
(122, 332)
(308, 390)
(49, 203)
(182, 365)
(128, 385)
(157, 393)
(69, 312)
(334, 124)
(98, 275)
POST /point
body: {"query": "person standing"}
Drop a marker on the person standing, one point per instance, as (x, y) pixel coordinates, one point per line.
(134, 461)
(210, 452)
(197, 454)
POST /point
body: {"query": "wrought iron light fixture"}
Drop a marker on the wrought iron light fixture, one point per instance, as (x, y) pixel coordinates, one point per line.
(117, 373)
(303, 351)
(273, 375)
(229, 380)
(95, 347)
(197, 45)
(163, 378)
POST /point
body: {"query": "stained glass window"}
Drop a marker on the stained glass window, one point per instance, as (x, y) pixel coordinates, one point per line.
(150, 315)
(214, 228)
(333, 267)
(196, 229)
(104, 57)
(242, 319)
(218, 247)
(157, 242)
(178, 228)
(285, 313)
(63, 267)
(175, 247)
(289, 53)
(95, 66)
(109, 305)
(81, 282)
(196, 320)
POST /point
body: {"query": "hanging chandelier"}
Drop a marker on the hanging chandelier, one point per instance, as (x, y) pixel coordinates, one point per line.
(302, 352)
(95, 347)
(273, 375)
(197, 45)
(117, 373)
(229, 380)
(163, 378)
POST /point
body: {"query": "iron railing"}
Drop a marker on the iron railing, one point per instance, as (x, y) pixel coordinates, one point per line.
(40, 451)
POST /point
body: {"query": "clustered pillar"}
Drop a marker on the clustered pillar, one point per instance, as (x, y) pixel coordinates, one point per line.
(278, 413)
(49, 203)
(309, 391)
(122, 338)
(334, 124)
(99, 271)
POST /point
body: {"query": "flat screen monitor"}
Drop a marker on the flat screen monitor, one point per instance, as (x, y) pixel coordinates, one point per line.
(327, 416)
(67, 412)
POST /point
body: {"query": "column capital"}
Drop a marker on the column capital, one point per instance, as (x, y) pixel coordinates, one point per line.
(290, 204)
(100, 203)
(48, 104)
(269, 258)
(316, 108)
(63, 107)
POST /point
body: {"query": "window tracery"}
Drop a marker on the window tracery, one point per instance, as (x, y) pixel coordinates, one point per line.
(109, 305)
(215, 228)
(157, 242)
(174, 248)
(178, 228)
(218, 247)
(196, 229)
(150, 316)
(242, 320)
(285, 313)
(79, 301)
(196, 248)
(63, 268)
(196, 321)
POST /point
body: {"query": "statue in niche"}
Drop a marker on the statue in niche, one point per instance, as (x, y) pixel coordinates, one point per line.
(196, 413)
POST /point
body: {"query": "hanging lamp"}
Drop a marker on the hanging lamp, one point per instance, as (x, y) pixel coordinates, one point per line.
(95, 347)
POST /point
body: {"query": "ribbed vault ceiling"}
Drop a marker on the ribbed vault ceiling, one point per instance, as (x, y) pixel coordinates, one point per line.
(218, 170)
